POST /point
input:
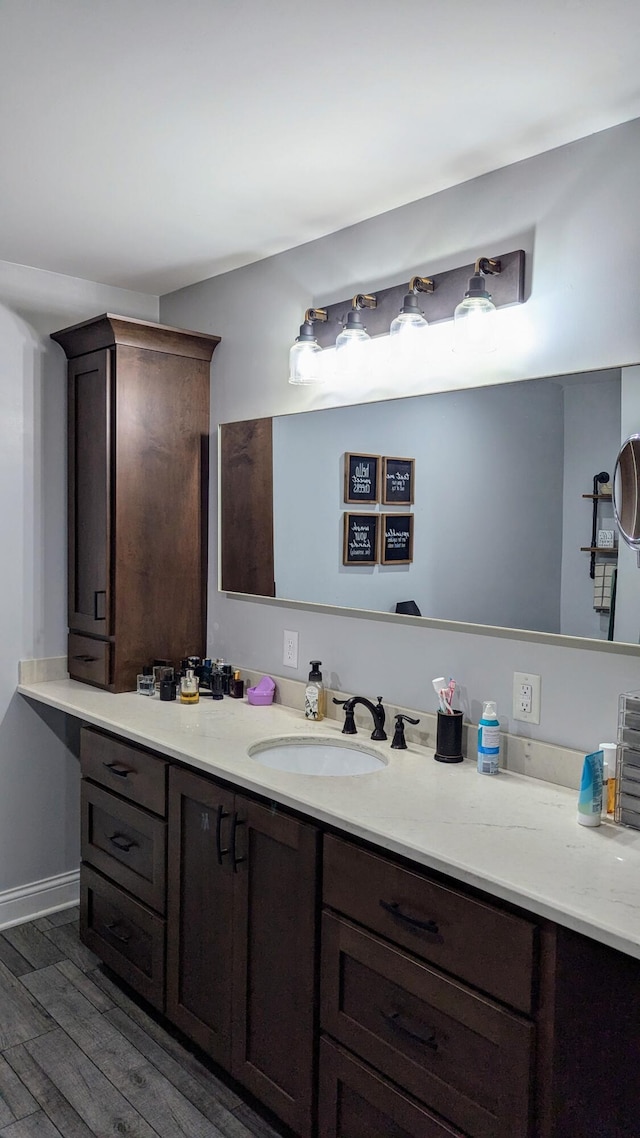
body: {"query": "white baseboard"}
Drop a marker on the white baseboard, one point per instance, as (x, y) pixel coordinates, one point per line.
(38, 899)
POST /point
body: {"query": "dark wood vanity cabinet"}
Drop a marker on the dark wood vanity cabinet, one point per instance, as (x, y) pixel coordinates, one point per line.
(138, 427)
(242, 918)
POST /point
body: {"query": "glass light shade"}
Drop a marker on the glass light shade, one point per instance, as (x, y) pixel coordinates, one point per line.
(351, 350)
(474, 325)
(408, 341)
(305, 362)
(407, 324)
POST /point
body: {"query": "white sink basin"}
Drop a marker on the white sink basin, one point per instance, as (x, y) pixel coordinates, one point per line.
(316, 756)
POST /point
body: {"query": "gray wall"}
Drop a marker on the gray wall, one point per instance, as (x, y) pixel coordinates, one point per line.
(487, 514)
(39, 778)
(569, 209)
(591, 443)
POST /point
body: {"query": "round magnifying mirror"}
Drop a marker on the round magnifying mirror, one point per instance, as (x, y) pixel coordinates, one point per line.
(626, 491)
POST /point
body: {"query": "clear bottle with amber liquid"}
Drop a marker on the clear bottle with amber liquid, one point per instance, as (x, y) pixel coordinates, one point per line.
(189, 687)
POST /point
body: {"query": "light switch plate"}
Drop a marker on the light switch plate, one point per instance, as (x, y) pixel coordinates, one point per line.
(526, 697)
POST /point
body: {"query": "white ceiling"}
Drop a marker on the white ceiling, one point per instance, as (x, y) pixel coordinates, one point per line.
(154, 143)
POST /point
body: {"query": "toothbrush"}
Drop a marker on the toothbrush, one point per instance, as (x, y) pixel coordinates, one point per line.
(438, 687)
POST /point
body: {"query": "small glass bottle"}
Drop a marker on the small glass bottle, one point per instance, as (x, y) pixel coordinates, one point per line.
(189, 688)
(145, 684)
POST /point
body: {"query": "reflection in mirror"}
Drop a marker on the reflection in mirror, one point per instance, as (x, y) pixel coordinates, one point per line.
(503, 505)
(627, 491)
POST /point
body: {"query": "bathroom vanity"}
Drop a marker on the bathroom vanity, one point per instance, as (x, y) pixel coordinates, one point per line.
(416, 951)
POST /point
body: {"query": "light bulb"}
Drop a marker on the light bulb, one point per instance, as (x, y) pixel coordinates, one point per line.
(474, 330)
(407, 335)
(351, 346)
(305, 357)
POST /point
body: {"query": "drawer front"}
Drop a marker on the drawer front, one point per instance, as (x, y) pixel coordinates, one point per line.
(478, 942)
(124, 768)
(125, 843)
(124, 934)
(465, 1057)
(89, 659)
(355, 1102)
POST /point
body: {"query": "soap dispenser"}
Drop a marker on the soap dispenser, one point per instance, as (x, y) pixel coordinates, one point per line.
(314, 695)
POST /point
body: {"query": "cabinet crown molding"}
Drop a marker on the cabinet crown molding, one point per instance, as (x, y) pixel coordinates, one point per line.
(109, 331)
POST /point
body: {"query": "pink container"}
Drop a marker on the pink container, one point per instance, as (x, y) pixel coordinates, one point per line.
(262, 694)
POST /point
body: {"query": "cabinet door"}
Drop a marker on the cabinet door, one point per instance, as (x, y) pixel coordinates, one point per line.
(274, 998)
(199, 912)
(89, 492)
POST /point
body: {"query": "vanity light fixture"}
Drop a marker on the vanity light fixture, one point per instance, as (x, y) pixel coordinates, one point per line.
(304, 357)
(408, 329)
(474, 329)
(351, 342)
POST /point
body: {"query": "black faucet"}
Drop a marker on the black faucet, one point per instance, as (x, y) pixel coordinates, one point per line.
(377, 713)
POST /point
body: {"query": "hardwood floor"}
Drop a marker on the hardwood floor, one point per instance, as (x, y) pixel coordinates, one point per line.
(78, 1057)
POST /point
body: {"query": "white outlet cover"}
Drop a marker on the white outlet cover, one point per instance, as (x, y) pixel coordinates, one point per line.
(290, 649)
(526, 680)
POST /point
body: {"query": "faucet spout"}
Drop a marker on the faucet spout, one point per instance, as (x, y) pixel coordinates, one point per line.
(378, 715)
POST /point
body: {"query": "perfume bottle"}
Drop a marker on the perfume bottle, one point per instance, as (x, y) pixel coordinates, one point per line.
(189, 688)
(145, 684)
(236, 686)
(167, 685)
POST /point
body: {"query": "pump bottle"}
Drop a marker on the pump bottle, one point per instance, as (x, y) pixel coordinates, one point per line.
(314, 696)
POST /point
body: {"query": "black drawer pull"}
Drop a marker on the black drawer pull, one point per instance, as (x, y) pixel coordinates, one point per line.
(220, 814)
(118, 769)
(86, 659)
(427, 1037)
(122, 842)
(235, 822)
(394, 909)
(124, 938)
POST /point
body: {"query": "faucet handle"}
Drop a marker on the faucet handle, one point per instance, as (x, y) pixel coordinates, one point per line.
(349, 720)
(399, 741)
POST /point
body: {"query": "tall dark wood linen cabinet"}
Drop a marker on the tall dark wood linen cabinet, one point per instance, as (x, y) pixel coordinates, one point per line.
(138, 440)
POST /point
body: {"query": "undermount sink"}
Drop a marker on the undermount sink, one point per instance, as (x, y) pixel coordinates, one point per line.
(322, 757)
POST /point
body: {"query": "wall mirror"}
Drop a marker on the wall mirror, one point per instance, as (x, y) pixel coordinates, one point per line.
(507, 528)
(626, 497)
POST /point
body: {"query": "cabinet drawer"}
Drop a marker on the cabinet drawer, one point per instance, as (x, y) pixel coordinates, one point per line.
(125, 843)
(89, 659)
(131, 772)
(464, 1056)
(489, 948)
(354, 1102)
(124, 934)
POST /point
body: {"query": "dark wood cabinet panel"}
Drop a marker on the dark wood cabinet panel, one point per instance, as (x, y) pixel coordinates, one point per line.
(355, 1102)
(275, 921)
(200, 912)
(123, 933)
(450, 929)
(89, 490)
(465, 1057)
(125, 843)
(128, 770)
(138, 480)
(246, 507)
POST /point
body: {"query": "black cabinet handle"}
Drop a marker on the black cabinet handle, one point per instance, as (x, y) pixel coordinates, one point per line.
(86, 659)
(124, 938)
(235, 822)
(118, 769)
(220, 814)
(426, 1036)
(99, 615)
(394, 909)
(122, 842)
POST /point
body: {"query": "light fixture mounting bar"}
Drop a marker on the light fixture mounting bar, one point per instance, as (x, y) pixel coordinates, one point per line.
(506, 287)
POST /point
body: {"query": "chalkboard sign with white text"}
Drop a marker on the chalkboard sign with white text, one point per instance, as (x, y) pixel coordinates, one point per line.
(360, 545)
(397, 539)
(397, 481)
(361, 474)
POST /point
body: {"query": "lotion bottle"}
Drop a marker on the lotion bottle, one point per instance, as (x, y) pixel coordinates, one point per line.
(314, 695)
(489, 740)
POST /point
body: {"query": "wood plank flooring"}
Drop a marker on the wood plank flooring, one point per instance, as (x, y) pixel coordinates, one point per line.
(79, 1058)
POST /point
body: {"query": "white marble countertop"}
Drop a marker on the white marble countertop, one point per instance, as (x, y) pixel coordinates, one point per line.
(514, 837)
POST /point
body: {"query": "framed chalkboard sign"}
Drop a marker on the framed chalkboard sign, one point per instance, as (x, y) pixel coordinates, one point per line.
(361, 477)
(360, 546)
(397, 539)
(397, 481)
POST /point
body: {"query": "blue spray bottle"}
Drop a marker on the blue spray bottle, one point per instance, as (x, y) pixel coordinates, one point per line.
(489, 740)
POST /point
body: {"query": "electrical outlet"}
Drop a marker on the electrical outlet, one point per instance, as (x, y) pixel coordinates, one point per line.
(290, 650)
(526, 697)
